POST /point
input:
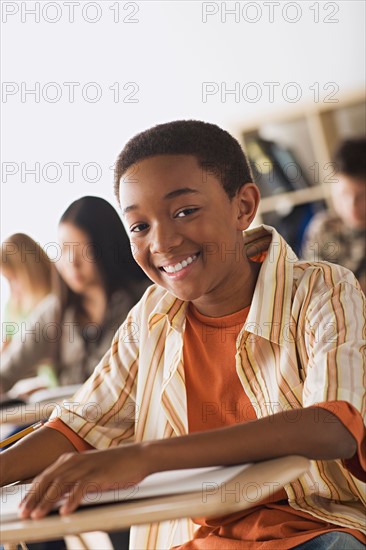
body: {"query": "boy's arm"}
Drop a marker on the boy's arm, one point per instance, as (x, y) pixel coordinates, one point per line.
(278, 435)
(32, 454)
(285, 433)
(313, 432)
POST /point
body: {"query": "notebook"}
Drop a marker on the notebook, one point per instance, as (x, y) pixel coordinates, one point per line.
(158, 484)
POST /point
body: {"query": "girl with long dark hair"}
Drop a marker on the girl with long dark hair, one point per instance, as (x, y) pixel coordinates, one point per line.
(97, 285)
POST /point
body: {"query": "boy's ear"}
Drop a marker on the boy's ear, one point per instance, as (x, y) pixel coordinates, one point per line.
(247, 198)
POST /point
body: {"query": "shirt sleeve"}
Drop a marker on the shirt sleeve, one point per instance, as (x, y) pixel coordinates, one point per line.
(352, 420)
(103, 411)
(335, 340)
(79, 443)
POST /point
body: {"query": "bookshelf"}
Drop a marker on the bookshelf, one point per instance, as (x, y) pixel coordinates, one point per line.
(311, 132)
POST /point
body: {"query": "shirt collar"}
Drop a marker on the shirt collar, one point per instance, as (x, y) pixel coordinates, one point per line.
(270, 312)
(170, 308)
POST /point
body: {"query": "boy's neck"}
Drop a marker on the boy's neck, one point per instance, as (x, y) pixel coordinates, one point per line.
(238, 297)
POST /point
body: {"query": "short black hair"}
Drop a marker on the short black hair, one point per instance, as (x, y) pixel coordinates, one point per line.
(350, 158)
(215, 149)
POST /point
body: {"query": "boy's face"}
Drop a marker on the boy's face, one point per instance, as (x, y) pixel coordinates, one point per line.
(184, 229)
(349, 200)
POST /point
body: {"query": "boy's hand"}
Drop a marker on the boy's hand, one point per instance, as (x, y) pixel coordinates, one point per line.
(75, 474)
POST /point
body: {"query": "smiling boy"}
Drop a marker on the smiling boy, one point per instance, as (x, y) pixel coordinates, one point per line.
(240, 350)
(194, 252)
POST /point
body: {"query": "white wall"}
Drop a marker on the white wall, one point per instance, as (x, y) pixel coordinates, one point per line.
(169, 52)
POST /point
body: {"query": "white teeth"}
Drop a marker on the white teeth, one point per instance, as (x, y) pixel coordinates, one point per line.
(180, 265)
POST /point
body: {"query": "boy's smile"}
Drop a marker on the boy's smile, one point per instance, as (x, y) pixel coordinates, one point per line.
(186, 234)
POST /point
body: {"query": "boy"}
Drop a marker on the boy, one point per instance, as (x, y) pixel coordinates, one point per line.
(236, 339)
(339, 237)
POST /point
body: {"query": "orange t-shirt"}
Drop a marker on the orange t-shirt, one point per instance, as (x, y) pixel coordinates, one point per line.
(216, 398)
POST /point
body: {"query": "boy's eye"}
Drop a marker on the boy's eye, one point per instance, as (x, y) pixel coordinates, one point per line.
(138, 228)
(185, 212)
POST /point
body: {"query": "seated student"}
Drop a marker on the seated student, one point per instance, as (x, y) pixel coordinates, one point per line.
(233, 319)
(99, 284)
(29, 272)
(339, 237)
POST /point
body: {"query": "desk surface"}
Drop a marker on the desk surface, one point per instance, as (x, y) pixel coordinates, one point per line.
(254, 484)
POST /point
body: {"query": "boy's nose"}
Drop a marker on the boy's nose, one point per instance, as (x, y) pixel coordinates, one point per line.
(164, 238)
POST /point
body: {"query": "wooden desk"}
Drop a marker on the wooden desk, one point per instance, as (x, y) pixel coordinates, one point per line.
(250, 487)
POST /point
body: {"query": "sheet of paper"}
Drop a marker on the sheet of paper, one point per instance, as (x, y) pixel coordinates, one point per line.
(159, 484)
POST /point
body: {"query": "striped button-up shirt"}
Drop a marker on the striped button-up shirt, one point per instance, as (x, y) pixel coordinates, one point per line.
(303, 343)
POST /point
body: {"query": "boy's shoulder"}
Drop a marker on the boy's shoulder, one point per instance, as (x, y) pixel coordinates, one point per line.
(321, 277)
(325, 275)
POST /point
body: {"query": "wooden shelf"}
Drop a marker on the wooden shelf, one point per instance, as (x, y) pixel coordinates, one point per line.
(285, 201)
(311, 131)
(298, 111)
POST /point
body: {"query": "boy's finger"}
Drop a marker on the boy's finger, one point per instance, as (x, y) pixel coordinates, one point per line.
(43, 493)
(73, 499)
(32, 498)
(54, 491)
(42, 483)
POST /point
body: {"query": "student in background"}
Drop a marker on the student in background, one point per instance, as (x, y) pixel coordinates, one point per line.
(233, 320)
(30, 275)
(28, 271)
(339, 237)
(99, 283)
